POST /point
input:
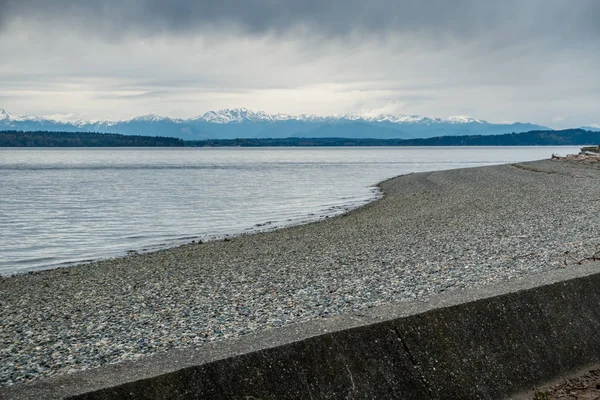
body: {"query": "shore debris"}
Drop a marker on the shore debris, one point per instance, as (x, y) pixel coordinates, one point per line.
(589, 153)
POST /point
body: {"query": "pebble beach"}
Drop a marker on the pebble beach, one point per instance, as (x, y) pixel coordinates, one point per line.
(430, 233)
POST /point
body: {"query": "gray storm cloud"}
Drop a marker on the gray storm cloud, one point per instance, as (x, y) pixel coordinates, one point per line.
(463, 19)
(502, 60)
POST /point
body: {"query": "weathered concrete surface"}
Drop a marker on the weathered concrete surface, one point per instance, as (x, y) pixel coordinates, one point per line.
(487, 343)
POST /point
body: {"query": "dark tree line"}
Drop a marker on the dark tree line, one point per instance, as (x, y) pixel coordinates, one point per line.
(568, 137)
(82, 139)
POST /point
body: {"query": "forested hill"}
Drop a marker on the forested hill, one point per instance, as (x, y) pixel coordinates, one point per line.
(82, 139)
(568, 137)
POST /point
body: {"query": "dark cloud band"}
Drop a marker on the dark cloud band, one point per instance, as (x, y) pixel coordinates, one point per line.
(462, 19)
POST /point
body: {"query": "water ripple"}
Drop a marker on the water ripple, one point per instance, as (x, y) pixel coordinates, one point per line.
(60, 206)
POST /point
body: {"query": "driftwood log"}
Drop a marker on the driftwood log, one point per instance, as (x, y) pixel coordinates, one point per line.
(590, 149)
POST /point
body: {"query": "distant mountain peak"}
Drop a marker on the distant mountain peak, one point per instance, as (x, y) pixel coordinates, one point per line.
(4, 114)
(463, 119)
(149, 118)
(245, 123)
(243, 114)
(239, 115)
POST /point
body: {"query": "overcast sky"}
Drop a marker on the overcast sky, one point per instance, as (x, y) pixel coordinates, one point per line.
(503, 61)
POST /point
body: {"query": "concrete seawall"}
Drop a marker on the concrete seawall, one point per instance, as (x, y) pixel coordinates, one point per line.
(490, 342)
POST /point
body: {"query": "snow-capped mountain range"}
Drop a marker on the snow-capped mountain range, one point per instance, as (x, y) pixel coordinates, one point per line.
(244, 123)
(241, 115)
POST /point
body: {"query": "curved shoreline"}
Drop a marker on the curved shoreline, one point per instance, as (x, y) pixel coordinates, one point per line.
(85, 237)
(431, 232)
(261, 228)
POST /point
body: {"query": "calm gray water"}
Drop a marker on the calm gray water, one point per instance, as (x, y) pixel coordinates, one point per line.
(60, 206)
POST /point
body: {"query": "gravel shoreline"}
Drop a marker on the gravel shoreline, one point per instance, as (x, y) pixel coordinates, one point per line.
(431, 232)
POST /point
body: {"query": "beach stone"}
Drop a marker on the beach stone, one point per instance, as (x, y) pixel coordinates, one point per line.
(431, 232)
